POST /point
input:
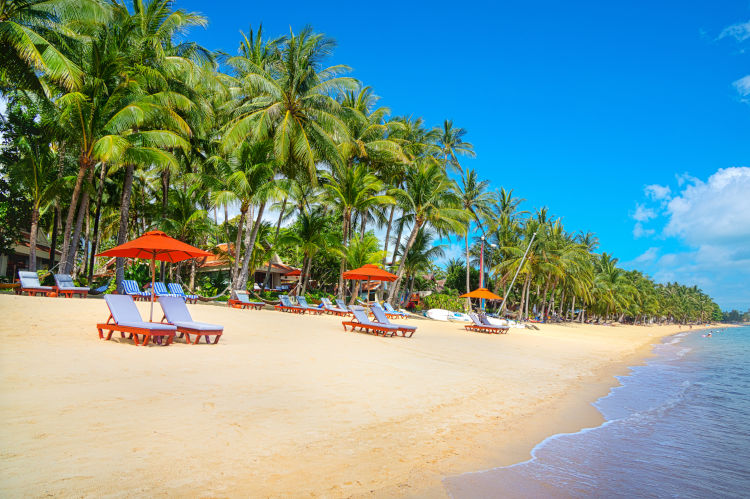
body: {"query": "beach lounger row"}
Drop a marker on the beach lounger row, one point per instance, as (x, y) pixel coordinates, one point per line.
(125, 319)
(243, 301)
(381, 325)
(64, 286)
(481, 324)
(160, 289)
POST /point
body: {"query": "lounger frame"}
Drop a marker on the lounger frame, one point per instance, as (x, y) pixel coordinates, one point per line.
(187, 331)
(112, 327)
(486, 329)
(369, 328)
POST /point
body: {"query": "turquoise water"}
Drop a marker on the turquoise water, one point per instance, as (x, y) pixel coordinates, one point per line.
(678, 426)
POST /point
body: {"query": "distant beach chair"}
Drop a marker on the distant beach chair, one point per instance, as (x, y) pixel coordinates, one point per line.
(176, 289)
(329, 308)
(483, 318)
(313, 310)
(364, 323)
(394, 314)
(480, 327)
(341, 304)
(286, 306)
(132, 289)
(67, 288)
(382, 317)
(127, 319)
(30, 284)
(177, 314)
(160, 289)
(243, 301)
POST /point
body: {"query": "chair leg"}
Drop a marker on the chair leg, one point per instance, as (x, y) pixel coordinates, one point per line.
(217, 339)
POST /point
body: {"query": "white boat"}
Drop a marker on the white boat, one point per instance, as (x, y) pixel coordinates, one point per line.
(440, 314)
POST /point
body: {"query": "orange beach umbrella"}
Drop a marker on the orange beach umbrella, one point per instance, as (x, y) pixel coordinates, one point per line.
(156, 245)
(369, 272)
(482, 293)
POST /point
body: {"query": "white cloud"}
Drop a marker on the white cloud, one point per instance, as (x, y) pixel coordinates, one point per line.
(643, 214)
(739, 32)
(742, 86)
(657, 192)
(714, 211)
(640, 231)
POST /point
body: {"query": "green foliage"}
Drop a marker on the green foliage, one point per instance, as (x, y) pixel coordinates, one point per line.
(448, 300)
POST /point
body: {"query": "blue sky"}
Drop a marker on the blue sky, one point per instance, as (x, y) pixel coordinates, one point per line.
(577, 106)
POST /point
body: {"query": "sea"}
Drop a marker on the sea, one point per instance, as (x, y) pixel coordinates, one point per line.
(678, 426)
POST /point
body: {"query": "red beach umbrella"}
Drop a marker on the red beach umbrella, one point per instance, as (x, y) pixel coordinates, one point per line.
(156, 245)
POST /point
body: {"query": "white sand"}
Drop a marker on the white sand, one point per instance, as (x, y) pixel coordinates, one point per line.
(284, 405)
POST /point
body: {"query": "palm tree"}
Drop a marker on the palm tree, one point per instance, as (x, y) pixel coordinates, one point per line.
(352, 190)
(420, 258)
(451, 145)
(430, 198)
(290, 102)
(310, 237)
(478, 203)
(36, 172)
(361, 250)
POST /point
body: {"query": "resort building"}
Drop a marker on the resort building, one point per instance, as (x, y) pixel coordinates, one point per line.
(18, 259)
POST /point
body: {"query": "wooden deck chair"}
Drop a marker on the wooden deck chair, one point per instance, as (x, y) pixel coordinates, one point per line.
(330, 309)
(312, 310)
(243, 301)
(127, 319)
(484, 320)
(176, 289)
(286, 306)
(392, 312)
(66, 287)
(479, 327)
(382, 318)
(364, 323)
(177, 314)
(30, 284)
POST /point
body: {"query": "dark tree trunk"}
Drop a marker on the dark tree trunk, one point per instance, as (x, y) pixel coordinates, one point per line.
(97, 216)
(397, 283)
(84, 166)
(76, 239)
(164, 204)
(53, 240)
(32, 238)
(267, 280)
(122, 233)
(250, 246)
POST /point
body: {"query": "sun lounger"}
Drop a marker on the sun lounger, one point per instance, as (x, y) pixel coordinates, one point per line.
(382, 318)
(392, 312)
(484, 320)
(286, 306)
(177, 314)
(479, 327)
(330, 309)
(30, 284)
(127, 319)
(243, 301)
(340, 303)
(313, 310)
(363, 322)
(160, 289)
(131, 288)
(66, 287)
(176, 289)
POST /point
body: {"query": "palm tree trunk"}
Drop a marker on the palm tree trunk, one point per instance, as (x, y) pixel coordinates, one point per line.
(397, 242)
(523, 297)
(97, 216)
(305, 271)
(363, 228)
(53, 239)
(122, 233)
(86, 242)
(573, 308)
(164, 203)
(397, 283)
(32, 238)
(267, 280)
(355, 292)
(237, 249)
(250, 246)
(388, 234)
(528, 298)
(468, 269)
(192, 275)
(82, 212)
(83, 168)
(342, 268)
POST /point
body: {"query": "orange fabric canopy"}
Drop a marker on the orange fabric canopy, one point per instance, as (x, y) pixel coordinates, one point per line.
(293, 273)
(482, 293)
(369, 272)
(156, 245)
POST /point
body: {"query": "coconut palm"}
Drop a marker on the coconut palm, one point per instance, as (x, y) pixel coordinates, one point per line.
(430, 197)
(478, 202)
(361, 250)
(452, 145)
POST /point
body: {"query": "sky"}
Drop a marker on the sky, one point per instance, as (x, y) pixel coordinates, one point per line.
(628, 119)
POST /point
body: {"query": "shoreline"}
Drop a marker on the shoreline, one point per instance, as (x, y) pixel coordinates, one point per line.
(287, 405)
(576, 411)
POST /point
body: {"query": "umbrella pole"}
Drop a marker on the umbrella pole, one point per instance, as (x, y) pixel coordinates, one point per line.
(153, 282)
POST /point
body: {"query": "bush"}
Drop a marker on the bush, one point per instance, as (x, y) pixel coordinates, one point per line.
(446, 301)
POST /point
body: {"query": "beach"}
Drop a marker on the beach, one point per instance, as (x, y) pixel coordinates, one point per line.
(286, 405)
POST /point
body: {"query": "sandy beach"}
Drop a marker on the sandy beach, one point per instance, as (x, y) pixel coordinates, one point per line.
(285, 405)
